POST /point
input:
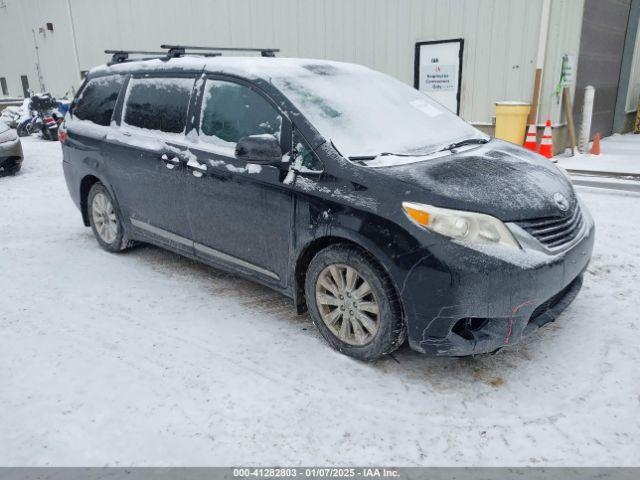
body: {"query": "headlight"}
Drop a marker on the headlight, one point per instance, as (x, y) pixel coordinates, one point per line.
(464, 226)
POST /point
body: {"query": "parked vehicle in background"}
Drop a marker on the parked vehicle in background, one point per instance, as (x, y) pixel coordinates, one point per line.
(13, 115)
(43, 117)
(356, 195)
(10, 151)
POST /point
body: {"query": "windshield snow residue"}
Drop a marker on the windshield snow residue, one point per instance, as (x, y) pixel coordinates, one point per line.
(366, 113)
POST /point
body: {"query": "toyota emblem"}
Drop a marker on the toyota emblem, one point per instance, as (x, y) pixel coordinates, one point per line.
(561, 201)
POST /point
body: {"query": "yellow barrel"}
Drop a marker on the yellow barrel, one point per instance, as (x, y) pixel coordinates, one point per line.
(511, 121)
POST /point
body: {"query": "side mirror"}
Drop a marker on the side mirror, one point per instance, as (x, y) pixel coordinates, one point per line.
(262, 149)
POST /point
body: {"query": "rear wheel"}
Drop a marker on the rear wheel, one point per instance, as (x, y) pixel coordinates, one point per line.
(105, 219)
(353, 303)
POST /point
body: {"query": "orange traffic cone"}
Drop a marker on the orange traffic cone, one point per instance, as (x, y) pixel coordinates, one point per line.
(546, 145)
(532, 141)
(595, 148)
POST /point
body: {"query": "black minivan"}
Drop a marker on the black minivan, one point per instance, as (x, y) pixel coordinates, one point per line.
(367, 203)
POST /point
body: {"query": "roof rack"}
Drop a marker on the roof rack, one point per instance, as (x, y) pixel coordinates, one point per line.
(179, 50)
(175, 51)
(120, 56)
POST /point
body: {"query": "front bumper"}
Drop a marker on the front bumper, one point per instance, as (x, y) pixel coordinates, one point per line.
(459, 301)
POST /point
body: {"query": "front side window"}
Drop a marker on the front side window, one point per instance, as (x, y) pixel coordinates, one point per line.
(231, 111)
(98, 99)
(158, 103)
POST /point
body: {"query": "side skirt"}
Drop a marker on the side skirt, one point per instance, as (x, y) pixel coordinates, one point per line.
(197, 251)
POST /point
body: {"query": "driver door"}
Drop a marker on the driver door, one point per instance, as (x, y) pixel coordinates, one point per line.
(240, 213)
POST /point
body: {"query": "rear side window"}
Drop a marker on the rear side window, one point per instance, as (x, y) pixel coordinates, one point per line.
(97, 100)
(231, 111)
(158, 103)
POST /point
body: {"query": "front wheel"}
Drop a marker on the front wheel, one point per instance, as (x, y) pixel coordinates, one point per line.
(353, 303)
(23, 130)
(105, 219)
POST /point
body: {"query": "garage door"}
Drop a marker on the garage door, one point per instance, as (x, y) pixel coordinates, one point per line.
(604, 27)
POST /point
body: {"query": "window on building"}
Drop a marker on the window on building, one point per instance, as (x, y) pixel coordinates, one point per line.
(24, 80)
(3, 86)
(231, 111)
(158, 103)
(98, 99)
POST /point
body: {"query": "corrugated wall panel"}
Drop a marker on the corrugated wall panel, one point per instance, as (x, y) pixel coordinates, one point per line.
(564, 37)
(500, 35)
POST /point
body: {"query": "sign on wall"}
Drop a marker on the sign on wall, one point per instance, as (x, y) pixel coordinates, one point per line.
(438, 71)
(567, 70)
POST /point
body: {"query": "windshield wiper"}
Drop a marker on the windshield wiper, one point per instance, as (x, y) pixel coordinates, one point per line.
(451, 146)
(462, 143)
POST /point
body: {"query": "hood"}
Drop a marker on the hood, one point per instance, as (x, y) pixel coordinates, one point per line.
(498, 178)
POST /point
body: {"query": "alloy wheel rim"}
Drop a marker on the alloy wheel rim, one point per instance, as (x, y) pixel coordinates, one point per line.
(347, 304)
(104, 218)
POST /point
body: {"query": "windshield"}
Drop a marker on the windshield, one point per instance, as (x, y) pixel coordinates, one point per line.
(366, 113)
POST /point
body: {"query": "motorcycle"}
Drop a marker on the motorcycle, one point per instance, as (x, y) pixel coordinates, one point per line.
(43, 116)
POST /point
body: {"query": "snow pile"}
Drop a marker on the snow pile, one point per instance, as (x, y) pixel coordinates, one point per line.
(620, 154)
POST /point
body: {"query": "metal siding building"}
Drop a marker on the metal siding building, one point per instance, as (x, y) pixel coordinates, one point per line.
(500, 49)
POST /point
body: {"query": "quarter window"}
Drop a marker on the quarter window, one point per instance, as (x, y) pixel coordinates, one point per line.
(231, 111)
(158, 103)
(97, 100)
(304, 157)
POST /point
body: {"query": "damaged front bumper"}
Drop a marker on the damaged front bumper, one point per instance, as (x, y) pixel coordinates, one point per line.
(479, 301)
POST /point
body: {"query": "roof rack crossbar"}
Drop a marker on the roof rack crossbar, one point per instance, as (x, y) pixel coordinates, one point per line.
(120, 56)
(181, 49)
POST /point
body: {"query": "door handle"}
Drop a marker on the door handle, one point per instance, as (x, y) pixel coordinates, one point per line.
(170, 163)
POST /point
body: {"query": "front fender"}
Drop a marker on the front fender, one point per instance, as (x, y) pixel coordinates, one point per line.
(397, 251)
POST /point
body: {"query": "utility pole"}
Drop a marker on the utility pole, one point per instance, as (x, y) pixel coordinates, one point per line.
(74, 42)
(38, 71)
(542, 50)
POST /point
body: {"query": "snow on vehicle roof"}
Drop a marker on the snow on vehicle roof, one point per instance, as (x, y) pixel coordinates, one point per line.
(251, 67)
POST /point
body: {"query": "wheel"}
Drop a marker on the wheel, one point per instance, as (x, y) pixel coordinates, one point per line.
(22, 130)
(10, 168)
(105, 219)
(353, 303)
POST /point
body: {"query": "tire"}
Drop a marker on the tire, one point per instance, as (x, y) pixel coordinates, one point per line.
(6, 171)
(105, 220)
(337, 312)
(22, 130)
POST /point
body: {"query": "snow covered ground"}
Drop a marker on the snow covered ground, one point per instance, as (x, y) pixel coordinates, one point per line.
(619, 154)
(147, 358)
